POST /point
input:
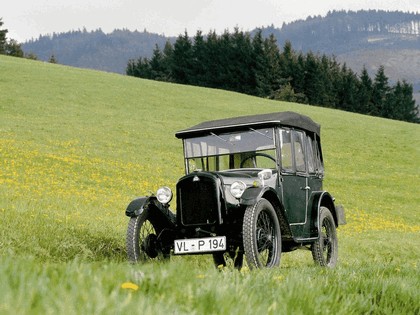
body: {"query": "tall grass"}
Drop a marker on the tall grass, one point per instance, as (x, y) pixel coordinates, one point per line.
(76, 146)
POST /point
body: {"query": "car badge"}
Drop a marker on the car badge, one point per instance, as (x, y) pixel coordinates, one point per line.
(196, 179)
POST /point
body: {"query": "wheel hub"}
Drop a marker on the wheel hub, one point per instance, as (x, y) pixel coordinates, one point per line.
(150, 245)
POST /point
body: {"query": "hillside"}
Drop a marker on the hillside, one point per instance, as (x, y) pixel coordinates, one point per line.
(77, 145)
(95, 50)
(363, 38)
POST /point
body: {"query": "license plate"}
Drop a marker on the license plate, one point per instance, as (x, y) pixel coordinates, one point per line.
(200, 245)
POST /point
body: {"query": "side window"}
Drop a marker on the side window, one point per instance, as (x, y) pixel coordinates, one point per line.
(310, 154)
(299, 151)
(318, 157)
(286, 150)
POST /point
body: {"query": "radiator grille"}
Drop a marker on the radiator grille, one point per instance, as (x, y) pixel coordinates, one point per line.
(198, 200)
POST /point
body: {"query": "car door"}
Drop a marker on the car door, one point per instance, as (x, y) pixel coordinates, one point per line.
(294, 179)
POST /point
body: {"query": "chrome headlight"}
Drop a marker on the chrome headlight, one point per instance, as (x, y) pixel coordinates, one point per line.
(164, 195)
(237, 189)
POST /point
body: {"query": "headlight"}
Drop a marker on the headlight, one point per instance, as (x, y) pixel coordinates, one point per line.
(164, 195)
(237, 189)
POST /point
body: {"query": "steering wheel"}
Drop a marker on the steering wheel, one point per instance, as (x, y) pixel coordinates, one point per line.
(254, 155)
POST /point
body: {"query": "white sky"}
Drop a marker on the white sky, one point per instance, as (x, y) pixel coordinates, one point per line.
(26, 19)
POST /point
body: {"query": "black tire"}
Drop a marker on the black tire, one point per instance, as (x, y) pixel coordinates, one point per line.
(229, 259)
(325, 249)
(142, 239)
(261, 235)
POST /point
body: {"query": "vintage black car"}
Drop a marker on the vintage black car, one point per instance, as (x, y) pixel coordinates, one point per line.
(253, 188)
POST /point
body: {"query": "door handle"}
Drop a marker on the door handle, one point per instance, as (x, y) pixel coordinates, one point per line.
(305, 188)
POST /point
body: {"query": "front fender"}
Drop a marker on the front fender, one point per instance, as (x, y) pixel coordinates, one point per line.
(136, 207)
(253, 194)
(162, 214)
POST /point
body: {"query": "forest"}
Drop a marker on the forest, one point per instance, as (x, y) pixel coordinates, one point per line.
(255, 65)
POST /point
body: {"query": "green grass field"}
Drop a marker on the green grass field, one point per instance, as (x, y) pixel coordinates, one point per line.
(76, 146)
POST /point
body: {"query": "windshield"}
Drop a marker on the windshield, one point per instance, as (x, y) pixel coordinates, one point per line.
(253, 148)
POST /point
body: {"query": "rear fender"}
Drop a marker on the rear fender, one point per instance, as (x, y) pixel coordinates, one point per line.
(324, 199)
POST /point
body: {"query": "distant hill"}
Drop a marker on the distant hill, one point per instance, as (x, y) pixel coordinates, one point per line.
(363, 38)
(95, 50)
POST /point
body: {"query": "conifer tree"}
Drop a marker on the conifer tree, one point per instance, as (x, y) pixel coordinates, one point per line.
(402, 104)
(272, 54)
(3, 33)
(314, 88)
(364, 94)
(199, 61)
(13, 48)
(380, 93)
(261, 71)
(242, 61)
(157, 71)
(167, 61)
(182, 59)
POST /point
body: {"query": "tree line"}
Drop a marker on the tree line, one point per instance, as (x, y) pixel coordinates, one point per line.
(255, 65)
(9, 46)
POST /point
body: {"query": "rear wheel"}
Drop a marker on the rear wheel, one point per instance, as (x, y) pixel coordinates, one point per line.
(142, 239)
(261, 235)
(325, 249)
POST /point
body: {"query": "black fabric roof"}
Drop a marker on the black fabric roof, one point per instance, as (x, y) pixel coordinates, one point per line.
(290, 119)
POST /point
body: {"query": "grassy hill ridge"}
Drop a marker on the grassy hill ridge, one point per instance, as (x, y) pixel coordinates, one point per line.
(77, 145)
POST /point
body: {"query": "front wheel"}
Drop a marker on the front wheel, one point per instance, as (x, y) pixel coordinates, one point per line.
(261, 235)
(325, 249)
(142, 239)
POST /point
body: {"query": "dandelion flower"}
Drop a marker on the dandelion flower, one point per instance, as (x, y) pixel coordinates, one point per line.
(130, 285)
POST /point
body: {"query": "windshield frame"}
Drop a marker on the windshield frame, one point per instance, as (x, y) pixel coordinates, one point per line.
(228, 144)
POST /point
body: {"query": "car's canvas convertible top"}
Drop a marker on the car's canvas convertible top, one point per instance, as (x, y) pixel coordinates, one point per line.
(290, 119)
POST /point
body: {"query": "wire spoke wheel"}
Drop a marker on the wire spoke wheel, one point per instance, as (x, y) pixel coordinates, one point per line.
(325, 249)
(142, 239)
(261, 235)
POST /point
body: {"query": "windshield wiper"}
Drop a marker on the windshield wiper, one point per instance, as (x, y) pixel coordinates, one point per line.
(219, 137)
(260, 133)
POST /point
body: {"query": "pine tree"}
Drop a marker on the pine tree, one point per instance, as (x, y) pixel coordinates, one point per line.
(411, 110)
(182, 59)
(13, 48)
(299, 78)
(261, 71)
(214, 68)
(3, 34)
(242, 62)
(199, 61)
(314, 88)
(272, 54)
(287, 61)
(364, 98)
(52, 59)
(139, 68)
(349, 88)
(327, 96)
(168, 51)
(380, 94)
(402, 103)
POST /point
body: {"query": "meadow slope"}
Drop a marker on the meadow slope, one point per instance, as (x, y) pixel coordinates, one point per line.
(77, 145)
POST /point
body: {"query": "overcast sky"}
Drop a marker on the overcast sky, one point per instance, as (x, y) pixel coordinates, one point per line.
(26, 19)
